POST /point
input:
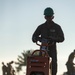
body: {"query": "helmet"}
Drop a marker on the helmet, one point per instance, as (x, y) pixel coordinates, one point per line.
(74, 50)
(48, 11)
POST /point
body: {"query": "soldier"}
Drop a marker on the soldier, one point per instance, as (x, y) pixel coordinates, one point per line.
(50, 30)
(70, 64)
(4, 69)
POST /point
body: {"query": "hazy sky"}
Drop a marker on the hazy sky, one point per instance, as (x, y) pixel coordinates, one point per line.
(20, 18)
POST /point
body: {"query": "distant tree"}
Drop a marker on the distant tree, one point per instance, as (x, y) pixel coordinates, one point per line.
(22, 59)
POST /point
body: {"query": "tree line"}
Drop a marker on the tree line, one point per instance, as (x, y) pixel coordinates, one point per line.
(22, 59)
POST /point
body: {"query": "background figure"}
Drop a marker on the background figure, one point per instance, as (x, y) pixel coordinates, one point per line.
(9, 68)
(4, 69)
(70, 64)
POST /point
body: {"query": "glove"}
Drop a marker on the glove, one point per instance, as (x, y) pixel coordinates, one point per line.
(39, 39)
(34, 39)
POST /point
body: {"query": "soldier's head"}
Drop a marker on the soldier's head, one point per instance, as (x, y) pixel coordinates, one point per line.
(74, 51)
(2, 63)
(48, 12)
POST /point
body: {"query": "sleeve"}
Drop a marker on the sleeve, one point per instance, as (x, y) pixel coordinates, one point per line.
(60, 35)
(36, 34)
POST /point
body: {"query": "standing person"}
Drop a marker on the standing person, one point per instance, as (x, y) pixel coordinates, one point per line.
(50, 30)
(9, 68)
(70, 64)
(4, 69)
